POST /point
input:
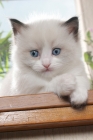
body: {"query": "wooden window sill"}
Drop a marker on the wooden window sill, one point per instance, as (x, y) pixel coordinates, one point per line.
(42, 111)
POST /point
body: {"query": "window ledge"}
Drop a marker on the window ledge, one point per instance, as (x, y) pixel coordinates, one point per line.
(39, 111)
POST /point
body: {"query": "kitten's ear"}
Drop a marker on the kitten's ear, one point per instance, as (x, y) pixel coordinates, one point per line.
(73, 26)
(16, 25)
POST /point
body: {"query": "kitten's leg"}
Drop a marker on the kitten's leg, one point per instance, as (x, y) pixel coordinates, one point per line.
(80, 95)
(63, 85)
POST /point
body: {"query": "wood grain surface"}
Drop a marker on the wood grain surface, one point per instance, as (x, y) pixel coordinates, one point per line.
(35, 101)
(45, 118)
(39, 111)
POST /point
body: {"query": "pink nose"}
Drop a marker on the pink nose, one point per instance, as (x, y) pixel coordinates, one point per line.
(46, 65)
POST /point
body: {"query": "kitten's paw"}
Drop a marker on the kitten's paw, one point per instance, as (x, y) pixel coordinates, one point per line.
(66, 84)
(78, 100)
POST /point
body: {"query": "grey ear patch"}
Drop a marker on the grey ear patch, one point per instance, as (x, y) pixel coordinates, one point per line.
(16, 25)
(73, 26)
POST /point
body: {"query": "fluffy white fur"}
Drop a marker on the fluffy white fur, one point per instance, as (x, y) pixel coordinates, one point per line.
(66, 75)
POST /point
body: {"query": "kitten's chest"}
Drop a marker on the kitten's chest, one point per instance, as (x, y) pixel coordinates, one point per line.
(29, 85)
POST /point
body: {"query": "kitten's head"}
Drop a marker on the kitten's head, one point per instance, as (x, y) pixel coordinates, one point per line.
(46, 47)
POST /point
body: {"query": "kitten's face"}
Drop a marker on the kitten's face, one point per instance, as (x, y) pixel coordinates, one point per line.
(45, 47)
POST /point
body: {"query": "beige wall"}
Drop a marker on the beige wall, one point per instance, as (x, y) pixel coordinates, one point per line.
(85, 13)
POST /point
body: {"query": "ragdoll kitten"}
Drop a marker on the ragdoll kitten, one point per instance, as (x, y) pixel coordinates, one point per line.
(46, 57)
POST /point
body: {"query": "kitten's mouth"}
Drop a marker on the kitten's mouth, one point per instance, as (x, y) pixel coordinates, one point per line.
(47, 70)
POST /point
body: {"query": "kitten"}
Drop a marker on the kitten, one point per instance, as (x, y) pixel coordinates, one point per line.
(46, 57)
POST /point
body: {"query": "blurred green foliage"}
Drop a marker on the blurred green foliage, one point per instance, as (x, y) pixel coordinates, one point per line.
(88, 59)
(4, 51)
(1, 3)
(88, 56)
(89, 39)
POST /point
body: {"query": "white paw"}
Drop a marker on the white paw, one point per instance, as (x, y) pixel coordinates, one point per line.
(79, 98)
(66, 84)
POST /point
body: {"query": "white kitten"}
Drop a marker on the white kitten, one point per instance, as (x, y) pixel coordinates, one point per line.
(46, 57)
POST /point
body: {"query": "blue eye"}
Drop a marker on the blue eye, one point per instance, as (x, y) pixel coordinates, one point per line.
(34, 53)
(56, 51)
